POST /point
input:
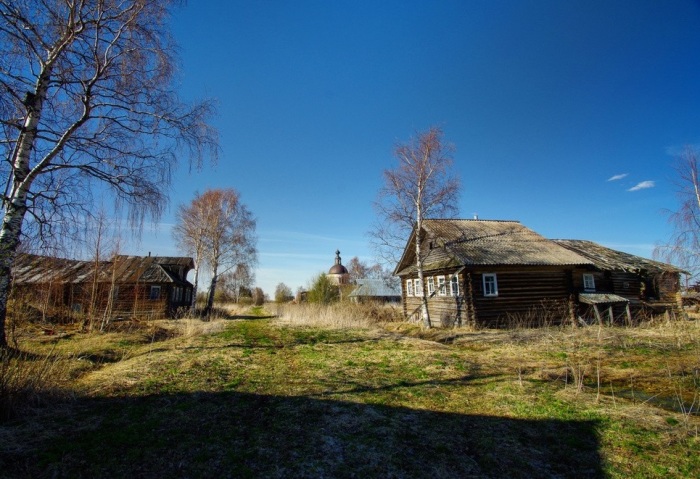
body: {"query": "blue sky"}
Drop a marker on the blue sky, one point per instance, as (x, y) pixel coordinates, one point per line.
(545, 102)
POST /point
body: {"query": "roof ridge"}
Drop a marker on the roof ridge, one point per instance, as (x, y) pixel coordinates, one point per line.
(472, 219)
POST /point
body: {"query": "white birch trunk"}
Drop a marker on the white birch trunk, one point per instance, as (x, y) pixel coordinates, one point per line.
(16, 203)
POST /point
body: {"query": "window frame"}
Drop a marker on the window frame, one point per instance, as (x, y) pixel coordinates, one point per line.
(441, 286)
(454, 284)
(588, 282)
(151, 293)
(409, 287)
(492, 279)
(418, 287)
(431, 286)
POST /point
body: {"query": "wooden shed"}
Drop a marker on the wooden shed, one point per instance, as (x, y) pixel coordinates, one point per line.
(123, 286)
(489, 273)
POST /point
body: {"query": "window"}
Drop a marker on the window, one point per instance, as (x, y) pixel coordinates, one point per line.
(588, 282)
(409, 287)
(155, 292)
(177, 294)
(431, 286)
(490, 284)
(188, 295)
(442, 291)
(454, 283)
(418, 286)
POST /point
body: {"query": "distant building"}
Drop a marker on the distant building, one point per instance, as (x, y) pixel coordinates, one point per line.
(338, 274)
(124, 286)
(371, 290)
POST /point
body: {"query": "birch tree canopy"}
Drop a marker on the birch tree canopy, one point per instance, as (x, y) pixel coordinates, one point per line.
(421, 186)
(220, 230)
(88, 100)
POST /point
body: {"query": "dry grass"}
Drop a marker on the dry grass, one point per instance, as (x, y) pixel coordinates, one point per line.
(326, 392)
(339, 315)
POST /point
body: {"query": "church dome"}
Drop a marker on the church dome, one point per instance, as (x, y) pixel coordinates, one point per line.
(338, 268)
(338, 273)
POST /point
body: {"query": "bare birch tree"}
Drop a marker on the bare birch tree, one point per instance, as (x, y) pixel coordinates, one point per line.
(188, 232)
(87, 100)
(227, 230)
(683, 248)
(421, 186)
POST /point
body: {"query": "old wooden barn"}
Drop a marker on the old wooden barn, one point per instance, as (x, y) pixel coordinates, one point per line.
(123, 286)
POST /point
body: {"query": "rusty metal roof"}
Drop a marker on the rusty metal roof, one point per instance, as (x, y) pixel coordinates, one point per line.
(35, 269)
(607, 259)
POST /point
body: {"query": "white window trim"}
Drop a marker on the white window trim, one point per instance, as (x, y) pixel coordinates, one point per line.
(494, 293)
(409, 287)
(588, 282)
(454, 284)
(431, 286)
(442, 287)
(418, 287)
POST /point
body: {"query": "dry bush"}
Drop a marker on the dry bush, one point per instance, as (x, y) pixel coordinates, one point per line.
(338, 315)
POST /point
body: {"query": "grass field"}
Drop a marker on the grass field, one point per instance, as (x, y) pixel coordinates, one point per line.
(272, 398)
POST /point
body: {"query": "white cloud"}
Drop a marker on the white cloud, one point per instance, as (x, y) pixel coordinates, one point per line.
(617, 177)
(642, 186)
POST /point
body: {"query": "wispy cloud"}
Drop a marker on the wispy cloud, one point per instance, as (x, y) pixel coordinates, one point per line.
(676, 150)
(642, 186)
(617, 177)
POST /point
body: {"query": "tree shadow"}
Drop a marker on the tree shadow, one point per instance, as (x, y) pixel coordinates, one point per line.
(233, 434)
(249, 316)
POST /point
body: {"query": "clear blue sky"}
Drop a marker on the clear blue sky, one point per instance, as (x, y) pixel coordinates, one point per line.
(544, 100)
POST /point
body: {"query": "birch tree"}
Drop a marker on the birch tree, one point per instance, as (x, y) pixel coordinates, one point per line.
(683, 248)
(421, 186)
(87, 101)
(226, 229)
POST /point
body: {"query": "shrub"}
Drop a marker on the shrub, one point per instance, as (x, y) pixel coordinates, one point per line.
(322, 291)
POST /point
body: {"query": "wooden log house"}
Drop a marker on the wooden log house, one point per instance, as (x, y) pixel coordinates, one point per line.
(122, 287)
(499, 273)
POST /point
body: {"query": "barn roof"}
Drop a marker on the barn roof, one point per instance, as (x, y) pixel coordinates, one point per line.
(460, 242)
(35, 269)
(607, 259)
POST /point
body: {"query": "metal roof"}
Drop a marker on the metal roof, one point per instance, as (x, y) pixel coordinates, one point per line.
(601, 298)
(375, 288)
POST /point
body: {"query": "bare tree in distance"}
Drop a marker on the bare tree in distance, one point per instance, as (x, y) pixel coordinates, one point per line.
(241, 278)
(88, 100)
(358, 269)
(188, 232)
(683, 248)
(227, 230)
(421, 186)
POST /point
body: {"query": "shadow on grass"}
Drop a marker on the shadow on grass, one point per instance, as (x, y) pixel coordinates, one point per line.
(231, 434)
(249, 316)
